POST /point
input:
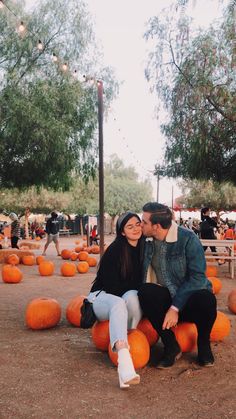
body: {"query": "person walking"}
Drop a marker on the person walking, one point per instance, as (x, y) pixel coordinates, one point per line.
(52, 230)
(176, 288)
(114, 291)
(15, 230)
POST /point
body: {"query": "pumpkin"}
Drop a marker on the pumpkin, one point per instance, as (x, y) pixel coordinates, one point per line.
(42, 313)
(221, 327)
(146, 327)
(79, 248)
(65, 253)
(68, 269)
(37, 238)
(83, 267)
(92, 261)
(28, 260)
(74, 256)
(211, 271)
(73, 310)
(95, 249)
(139, 349)
(11, 274)
(83, 255)
(40, 259)
(46, 268)
(13, 259)
(100, 335)
(232, 301)
(216, 284)
(186, 336)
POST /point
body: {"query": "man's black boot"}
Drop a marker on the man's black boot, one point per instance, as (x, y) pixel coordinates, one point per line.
(205, 355)
(172, 350)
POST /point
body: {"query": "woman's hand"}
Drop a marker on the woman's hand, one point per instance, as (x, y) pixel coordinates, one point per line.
(171, 319)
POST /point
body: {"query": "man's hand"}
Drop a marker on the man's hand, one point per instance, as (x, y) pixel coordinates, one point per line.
(171, 319)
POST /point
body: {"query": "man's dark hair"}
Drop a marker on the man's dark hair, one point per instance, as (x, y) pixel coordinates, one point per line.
(160, 214)
(203, 212)
(54, 214)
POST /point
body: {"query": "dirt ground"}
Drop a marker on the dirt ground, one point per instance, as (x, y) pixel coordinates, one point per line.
(58, 373)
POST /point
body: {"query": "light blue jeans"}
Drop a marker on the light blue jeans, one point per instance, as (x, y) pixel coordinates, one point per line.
(123, 313)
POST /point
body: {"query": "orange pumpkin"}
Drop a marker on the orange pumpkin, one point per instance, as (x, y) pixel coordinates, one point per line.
(92, 261)
(73, 310)
(83, 267)
(232, 301)
(95, 249)
(11, 274)
(139, 349)
(13, 259)
(74, 256)
(186, 336)
(46, 268)
(28, 260)
(146, 327)
(37, 238)
(100, 335)
(68, 269)
(211, 271)
(40, 259)
(66, 253)
(216, 284)
(83, 255)
(42, 313)
(221, 327)
(79, 248)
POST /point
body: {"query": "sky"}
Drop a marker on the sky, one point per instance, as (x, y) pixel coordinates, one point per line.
(132, 131)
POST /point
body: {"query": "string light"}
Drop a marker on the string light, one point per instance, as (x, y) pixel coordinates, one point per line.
(1, 4)
(40, 45)
(65, 67)
(21, 28)
(54, 57)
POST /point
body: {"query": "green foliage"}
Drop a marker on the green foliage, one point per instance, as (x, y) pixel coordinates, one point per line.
(48, 127)
(194, 75)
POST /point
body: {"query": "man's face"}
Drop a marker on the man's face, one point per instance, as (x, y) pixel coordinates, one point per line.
(147, 227)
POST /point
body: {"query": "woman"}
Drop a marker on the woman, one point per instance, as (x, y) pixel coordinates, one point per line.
(117, 282)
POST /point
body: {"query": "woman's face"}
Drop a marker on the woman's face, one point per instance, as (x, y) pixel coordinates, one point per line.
(132, 229)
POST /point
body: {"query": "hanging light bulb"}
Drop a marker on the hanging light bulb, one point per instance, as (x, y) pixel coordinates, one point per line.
(40, 45)
(54, 58)
(75, 73)
(65, 67)
(21, 27)
(1, 4)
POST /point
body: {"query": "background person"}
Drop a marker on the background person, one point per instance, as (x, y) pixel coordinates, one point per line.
(176, 287)
(15, 230)
(119, 278)
(52, 230)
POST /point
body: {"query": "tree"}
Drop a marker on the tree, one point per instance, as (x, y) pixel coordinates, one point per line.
(194, 75)
(48, 123)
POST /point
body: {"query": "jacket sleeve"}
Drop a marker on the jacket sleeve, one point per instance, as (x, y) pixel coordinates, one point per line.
(47, 227)
(195, 276)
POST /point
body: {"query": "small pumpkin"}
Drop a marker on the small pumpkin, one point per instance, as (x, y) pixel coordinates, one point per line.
(46, 268)
(28, 260)
(73, 314)
(146, 327)
(68, 269)
(92, 261)
(66, 253)
(211, 271)
(83, 255)
(79, 248)
(40, 259)
(83, 267)
(186, 336)
(216, 284)
(13, 259)
(221, 327)
(11, 274)
(232, 301)
(139, 349)
(100, 335)
(42, 313)
(74, 256)
(95, 249)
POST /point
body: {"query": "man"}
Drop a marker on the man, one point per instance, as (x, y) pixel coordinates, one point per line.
(176, 288)
(52, 230)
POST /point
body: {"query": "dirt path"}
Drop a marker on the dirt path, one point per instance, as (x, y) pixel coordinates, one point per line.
(58, 373)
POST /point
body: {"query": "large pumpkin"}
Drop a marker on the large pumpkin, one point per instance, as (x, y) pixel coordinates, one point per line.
(186, 336)
(66, 253)
(211, 271)
(13, 259)
(216, 284)
(146, 327)
(73, 314)
(139, 349)
(100, 335)
(42, 313)
(11, 274)
(68, 269)
(221, 327)
(46, 268)
(232, 301)
(28, 260)
(83, 267)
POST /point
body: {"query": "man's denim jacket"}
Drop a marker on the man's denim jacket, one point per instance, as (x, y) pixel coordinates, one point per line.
(185, 266)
